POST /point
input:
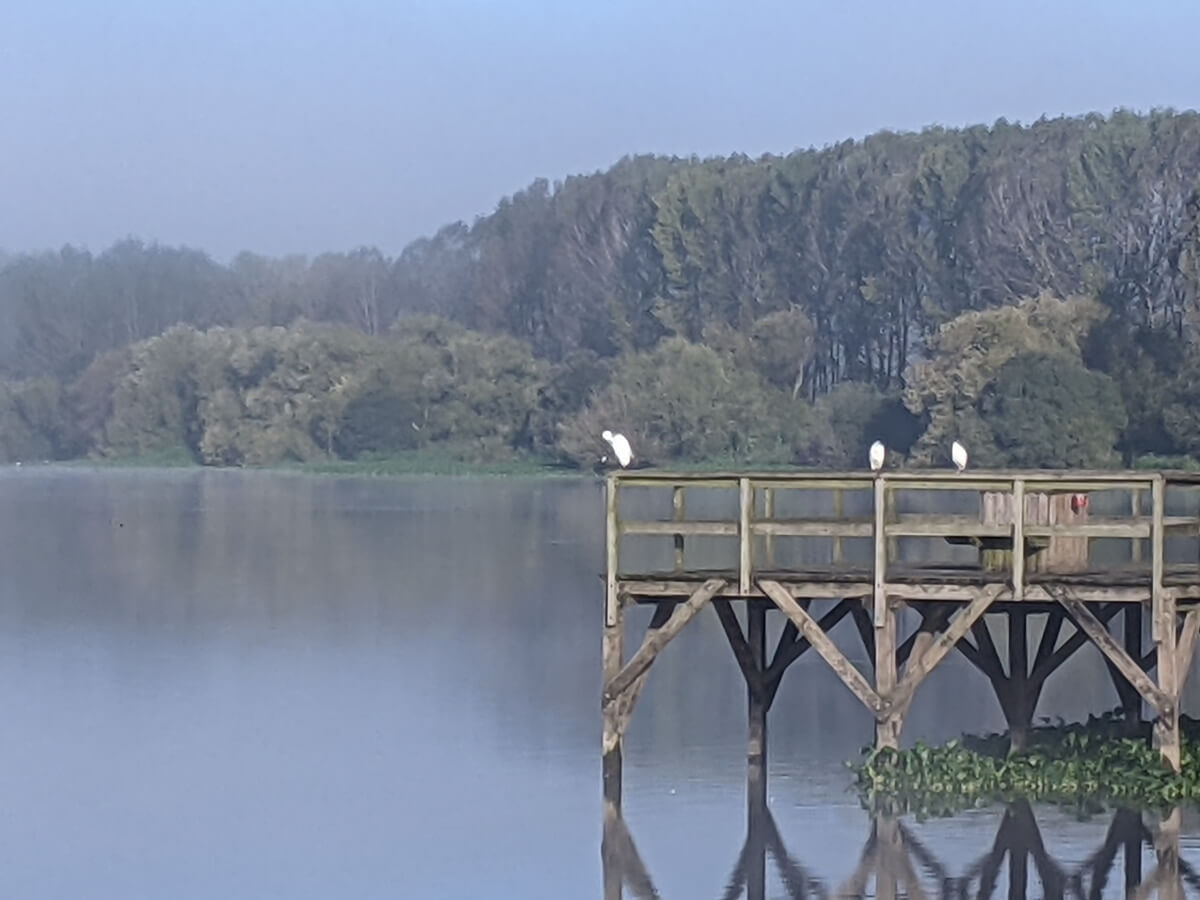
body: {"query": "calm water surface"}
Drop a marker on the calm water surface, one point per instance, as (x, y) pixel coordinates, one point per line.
(224, 684)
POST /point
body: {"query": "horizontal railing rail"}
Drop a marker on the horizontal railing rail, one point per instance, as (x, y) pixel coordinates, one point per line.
(880, 520)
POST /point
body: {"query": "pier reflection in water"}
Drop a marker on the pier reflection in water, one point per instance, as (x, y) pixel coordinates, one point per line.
(1138, 859)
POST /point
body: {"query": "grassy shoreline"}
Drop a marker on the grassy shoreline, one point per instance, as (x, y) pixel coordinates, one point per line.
(406, 464)
(402, 465)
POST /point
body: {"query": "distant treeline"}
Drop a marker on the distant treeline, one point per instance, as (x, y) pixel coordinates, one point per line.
(1031, 290)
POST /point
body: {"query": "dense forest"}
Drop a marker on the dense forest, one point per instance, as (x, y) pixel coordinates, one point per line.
(1032, 290)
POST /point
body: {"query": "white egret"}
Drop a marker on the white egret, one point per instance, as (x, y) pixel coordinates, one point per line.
(878, 453)
(958, 453)
(620, 446)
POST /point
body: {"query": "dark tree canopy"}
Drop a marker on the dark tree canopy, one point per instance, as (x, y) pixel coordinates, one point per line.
(875, 286)
(1047, 410)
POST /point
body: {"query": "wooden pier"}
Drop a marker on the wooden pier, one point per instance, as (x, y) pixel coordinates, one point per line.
(933, 547)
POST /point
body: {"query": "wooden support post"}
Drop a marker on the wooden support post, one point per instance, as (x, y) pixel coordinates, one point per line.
(1166, 725)
(756, 704)
(745, 537)
(613, 650)
(1020, 711)
(887, 727)
(1131, 702)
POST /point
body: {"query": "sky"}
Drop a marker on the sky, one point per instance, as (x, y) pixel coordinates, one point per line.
(279, 127)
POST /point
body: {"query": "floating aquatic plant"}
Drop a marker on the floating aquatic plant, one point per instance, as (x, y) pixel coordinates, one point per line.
(1085, 765)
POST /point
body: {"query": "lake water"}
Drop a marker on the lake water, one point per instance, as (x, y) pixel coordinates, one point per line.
(229, 684)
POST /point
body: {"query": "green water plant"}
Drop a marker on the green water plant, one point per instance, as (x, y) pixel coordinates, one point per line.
(1086, 766)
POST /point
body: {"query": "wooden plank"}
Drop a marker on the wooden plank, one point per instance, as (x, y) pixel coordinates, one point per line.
(745, 539)
(922, 525)
(1018, 540)
(669, 527)
(959, 624)
(880, 560)
(1069, 480)
(814, 528)
(910, 526)
(842, 667)
(659, 638)
(612, 538)
(1107, 644)
(820, 590)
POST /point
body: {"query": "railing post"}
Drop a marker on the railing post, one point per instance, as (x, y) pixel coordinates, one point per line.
(1166, 724)
(881, 555)
(1135, 510)
(1018, 541)
(769, 515)
(677, 505)
(887, 729)
(839, 513)
(1157, 509)
(745, 511)
(612, 542)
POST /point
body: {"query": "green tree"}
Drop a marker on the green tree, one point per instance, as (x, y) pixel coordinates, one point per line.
(1045, 410)
(687, 401)
(966, 354)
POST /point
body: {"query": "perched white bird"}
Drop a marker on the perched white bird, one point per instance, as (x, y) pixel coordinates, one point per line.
(958, 453)
(878, 453)
(620, 445)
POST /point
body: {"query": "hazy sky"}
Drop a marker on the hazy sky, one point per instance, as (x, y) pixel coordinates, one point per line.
(301, 127)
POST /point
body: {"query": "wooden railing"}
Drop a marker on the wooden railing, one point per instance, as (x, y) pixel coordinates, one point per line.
(886, 523)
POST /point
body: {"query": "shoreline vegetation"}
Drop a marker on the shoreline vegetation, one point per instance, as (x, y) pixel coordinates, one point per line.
(433, 465)
(1083, 766)
(1030, 290)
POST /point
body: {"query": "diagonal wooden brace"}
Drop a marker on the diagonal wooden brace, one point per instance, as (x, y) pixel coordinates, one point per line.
(1089, 624)
(960, 624)
(741, 648)
(1186, 648)
(659, 638)
(820, 642)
